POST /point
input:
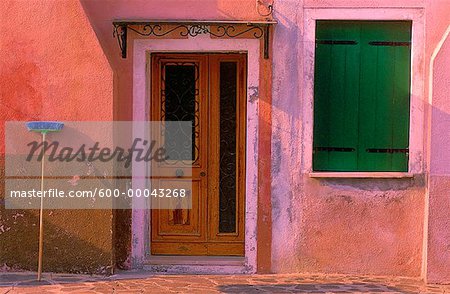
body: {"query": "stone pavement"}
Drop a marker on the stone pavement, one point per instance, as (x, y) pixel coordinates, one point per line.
(145, 282)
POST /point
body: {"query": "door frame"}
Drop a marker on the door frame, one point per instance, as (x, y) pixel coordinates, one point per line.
(142, 48)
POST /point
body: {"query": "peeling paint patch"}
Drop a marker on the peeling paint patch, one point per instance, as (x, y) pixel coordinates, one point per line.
(276, 210)
(346, 198)
(289, 209)
(276, 157)
(5, 268)
(253, 93)
(15, 216)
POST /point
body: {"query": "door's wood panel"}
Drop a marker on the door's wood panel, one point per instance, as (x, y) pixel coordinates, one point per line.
(204, 248)
(176, 223)
(181, 225)
(214, 175)
(226, 248)
(159, 63)
(179, 248)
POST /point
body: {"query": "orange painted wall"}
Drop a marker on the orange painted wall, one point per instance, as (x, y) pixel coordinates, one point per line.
(52, 67)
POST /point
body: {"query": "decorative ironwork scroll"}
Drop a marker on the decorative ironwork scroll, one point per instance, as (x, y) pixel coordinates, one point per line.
(254, 30)
(228, 147)
(180, 102)
(120, 32)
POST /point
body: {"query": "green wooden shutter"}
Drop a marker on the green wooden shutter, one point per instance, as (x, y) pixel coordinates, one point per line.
(361, 96)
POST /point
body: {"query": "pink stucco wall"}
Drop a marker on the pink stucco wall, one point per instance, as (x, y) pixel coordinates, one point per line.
(364, 226)
(438, 245)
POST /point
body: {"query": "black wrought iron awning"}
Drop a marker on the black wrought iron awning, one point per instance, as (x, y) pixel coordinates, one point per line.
(190, 28)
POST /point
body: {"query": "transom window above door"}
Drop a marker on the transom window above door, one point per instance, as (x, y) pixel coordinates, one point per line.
(362, 96)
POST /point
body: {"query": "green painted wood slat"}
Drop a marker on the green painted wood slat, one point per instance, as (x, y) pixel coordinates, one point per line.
(361, 96)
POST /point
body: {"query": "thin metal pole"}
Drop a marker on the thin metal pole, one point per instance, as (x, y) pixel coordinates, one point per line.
(41, 213)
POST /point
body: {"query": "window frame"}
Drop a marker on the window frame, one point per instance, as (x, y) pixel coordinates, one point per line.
(417, 94)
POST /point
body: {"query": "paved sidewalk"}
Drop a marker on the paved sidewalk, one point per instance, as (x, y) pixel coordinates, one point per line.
(144, 282)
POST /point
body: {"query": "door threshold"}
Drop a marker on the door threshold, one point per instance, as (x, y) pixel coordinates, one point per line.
(195, 260)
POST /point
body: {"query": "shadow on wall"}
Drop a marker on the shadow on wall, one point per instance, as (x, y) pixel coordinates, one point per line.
(75, 241)
(64, 250)
(438, 255)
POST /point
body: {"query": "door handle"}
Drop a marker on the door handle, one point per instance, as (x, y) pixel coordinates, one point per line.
(202, 173)
(179, 173)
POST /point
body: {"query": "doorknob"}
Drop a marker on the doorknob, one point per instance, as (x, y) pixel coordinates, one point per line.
(179, 173)
(202, 173)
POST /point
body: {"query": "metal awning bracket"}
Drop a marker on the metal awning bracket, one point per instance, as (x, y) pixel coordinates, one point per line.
(216, 29)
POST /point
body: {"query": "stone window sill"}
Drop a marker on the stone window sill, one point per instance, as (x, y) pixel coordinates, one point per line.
(362, 175)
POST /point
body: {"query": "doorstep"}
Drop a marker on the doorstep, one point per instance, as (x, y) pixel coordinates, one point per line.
(197, 265)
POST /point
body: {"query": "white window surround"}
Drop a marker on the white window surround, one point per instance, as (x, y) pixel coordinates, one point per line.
(142, 48)
(416, 131)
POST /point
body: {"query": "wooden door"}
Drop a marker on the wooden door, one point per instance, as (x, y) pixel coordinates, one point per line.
(208, 90)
